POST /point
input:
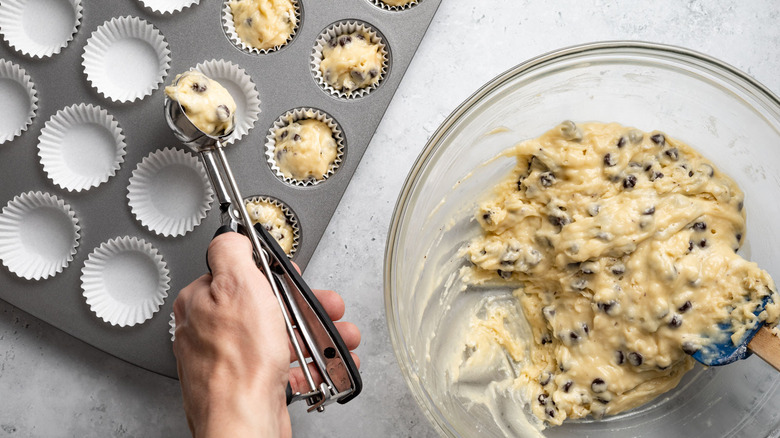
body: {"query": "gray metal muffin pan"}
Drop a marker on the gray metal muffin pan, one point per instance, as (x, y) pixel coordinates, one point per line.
(284, 81)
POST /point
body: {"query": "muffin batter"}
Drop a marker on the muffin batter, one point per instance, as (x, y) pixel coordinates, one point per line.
(207, 104)
(397, 2)
(273, 219)
(623, 247)
(351, 61)
(264, 24)
(305, 150)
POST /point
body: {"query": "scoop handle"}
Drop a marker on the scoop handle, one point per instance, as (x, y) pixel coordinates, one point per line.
(766, 344)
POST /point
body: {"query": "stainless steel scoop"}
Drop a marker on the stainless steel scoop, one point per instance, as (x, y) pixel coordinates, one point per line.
(308, 326)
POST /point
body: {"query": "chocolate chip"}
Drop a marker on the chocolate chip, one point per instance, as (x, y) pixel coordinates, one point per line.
(618, 269)
(740, 206)
(673, 154)
(545, 378)
(699, 226)
(296, 137)
(542, 399)
(686, 306)
(635, 358)
(602, 400)
(690, 347)
(585, 328)
(629, 182)
(357, 75)
(703, 243)
(333, 42)
(619, 357)
(709, 170)
(621, 142)
(567, 386)
(649, 211)
(550, 412)
(690, 173)
(574, 336)
(546, 179)
(373, 73)
(636, 136)
(558, 221)
(676, 321)
(344, 40)
(283, 135)
(739, 237)
(598, 385)
(248, 21)
(223, 112)
(656, 175)
(607, 306)
(546, 339)
(506, 275)
(658, 139)
(198, 87)
(690, 245)
(648, 167)
(609, 160)
(360, 36)
(548, 312)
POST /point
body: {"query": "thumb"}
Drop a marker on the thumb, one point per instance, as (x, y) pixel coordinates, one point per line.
(228, 252)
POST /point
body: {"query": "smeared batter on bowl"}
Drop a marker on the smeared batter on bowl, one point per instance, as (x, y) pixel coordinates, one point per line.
(264, 24)
(273, 219)
(351, 61)
(305, 149)
(623, 246)
(207, 104)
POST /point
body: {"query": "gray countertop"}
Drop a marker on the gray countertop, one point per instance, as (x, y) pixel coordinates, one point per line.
(54, 385)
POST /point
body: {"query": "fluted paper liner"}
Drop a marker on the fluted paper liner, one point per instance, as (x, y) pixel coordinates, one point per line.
(394, 8)
(294, 116)
(240, 86)
(20, 100)
(172, 327)
(230, 29)
(126, 59)
(62, 20)
(288, 213)
(39, 234)
(169, 192)
(80, 147)
(168, 6)
(336, 30)
(125, 281)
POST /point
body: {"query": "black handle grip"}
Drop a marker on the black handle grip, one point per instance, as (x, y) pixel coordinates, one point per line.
(286, 265)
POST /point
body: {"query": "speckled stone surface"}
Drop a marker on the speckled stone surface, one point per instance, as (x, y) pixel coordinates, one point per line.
(52, 385)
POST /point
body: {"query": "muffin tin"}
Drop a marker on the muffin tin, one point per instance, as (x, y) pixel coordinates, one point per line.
(124, 53)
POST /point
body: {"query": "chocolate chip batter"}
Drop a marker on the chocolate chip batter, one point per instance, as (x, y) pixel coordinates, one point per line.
(623, 246)
(207, 104)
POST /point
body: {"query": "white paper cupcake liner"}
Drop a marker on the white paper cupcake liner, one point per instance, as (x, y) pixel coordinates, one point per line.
(126, 59)
(62, 20)
(336, 30)
(80, 147)
(293, 116)
(125, 281)
(168, 6)
(240, 86)
(169, 192)
(292, 218)
(388, 7)
(39, 234)
(230, 29)
(172, 325)
(20, 100)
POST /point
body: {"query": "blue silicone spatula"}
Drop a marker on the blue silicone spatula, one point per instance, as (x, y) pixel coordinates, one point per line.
(760, 340)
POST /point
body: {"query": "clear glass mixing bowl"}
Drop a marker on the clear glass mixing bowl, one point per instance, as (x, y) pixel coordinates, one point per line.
(729, 117)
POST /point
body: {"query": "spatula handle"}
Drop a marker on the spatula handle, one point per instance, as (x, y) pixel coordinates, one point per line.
(766, 344)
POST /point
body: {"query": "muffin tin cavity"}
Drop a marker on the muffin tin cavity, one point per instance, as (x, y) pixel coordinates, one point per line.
(126, 59)
(81, 147)
(168, 6)
(20, 100)
(39, 28)
(300, 150)
(278, 219)
(350, 59)
(125, 281)
(169, 192)
(241, 88)
(261, 26)
(39, 234)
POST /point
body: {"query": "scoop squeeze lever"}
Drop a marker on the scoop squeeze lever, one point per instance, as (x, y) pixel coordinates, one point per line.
(760, 340)
(331, 374)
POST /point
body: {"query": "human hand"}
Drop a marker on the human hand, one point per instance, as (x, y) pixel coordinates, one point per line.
(232, 349)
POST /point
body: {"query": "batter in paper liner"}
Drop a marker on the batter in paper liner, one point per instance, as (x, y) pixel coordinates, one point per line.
(263, 24)
(623, 247)
(351, 61)
(271, 216)
(305, 149)
(207, 104)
